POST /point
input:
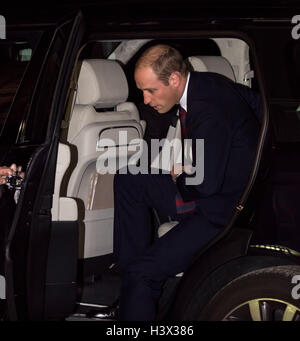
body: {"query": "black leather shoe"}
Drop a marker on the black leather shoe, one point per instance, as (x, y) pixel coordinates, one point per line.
(104, 314)
(110, 313)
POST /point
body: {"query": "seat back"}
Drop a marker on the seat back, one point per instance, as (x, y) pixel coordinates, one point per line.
(216, 64)
(99, 115)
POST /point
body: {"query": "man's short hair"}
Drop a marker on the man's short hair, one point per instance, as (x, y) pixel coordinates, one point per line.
(163, 59)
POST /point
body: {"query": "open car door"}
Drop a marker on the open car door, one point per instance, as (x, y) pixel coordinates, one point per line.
(39, 255)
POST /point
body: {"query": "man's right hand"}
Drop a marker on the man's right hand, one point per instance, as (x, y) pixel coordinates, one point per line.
(176, 171)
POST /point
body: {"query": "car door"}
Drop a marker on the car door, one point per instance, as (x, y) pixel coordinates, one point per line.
(40, 283)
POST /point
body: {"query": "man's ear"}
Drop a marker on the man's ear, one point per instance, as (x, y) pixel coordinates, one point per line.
(174, 79)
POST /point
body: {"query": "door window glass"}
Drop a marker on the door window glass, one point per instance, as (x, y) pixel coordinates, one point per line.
(14, 58)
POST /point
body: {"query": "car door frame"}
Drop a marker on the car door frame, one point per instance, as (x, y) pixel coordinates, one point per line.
(26, 293)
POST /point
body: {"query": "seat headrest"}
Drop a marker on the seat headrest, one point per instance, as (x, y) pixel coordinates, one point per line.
(216, 64)
(101, 83)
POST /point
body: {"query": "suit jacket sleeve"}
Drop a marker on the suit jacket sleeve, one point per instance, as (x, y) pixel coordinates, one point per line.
(252, 98)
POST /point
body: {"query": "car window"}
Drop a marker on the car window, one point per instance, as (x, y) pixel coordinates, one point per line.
(30, 115)
(127, 49)
(14, 58)
(281, 63)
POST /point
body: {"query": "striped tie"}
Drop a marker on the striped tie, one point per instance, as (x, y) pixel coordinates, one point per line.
(182, 116)
(183, 206)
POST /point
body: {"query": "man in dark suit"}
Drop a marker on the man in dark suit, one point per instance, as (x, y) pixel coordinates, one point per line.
(215, 112)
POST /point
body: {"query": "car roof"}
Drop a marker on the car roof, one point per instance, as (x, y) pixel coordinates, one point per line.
(152, 12)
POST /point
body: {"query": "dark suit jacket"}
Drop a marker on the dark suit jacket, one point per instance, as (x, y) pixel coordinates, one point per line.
(217, 113)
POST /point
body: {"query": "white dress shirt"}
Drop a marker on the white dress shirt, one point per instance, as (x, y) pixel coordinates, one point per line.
(183, 99)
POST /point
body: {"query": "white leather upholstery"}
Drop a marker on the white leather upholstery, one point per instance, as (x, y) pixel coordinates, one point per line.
(101, 84)
(216, 64)
(83, 115)
(63, 209)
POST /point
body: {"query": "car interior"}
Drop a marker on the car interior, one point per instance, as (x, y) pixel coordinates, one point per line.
(104, 104)
(57, 243)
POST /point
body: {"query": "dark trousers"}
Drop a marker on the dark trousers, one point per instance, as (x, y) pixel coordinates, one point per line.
(146, 264)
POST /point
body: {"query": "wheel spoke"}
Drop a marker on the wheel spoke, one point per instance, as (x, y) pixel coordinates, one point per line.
(255, 310)
(289, 313)
(266, 309)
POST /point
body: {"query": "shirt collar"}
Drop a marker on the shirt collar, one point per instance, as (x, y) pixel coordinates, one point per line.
(183, 99)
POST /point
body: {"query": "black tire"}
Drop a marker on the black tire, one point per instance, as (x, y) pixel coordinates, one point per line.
(260, 295)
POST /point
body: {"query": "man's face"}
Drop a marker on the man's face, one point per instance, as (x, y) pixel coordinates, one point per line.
(158, 95)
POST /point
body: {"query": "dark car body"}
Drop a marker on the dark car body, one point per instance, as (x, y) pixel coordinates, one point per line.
(39, 256)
